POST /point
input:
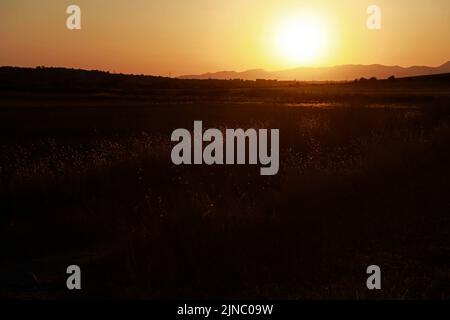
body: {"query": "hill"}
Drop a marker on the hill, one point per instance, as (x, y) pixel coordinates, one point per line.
(337, 73)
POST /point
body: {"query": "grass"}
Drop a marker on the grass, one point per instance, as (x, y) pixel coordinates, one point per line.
(356, 187)
(364, 179)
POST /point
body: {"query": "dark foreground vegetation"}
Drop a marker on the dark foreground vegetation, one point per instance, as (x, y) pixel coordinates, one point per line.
(86, 179)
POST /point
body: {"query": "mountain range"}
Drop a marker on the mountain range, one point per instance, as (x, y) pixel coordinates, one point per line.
(336, 73)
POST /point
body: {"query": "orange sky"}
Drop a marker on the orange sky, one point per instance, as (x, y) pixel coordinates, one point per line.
(176, 37)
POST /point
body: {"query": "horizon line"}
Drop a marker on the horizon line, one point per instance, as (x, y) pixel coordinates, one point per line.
(220, 71)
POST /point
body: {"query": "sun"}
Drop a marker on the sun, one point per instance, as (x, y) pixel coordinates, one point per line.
(301, 39)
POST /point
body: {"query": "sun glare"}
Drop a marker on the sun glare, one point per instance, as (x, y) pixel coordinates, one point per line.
(301, 39)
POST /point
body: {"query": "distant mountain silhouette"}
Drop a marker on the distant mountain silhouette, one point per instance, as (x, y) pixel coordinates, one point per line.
(337, 73)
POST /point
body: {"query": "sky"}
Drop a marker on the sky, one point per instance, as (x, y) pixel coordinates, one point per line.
(177, 37)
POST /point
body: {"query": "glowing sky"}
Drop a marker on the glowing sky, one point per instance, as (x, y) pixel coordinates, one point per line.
(194, 36)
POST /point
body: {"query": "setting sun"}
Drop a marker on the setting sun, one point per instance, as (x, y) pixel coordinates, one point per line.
(301, 39)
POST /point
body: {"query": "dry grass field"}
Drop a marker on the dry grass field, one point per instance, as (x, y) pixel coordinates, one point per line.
(86, 179)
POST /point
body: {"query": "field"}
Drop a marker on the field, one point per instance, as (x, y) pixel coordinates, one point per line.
(86, 179)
